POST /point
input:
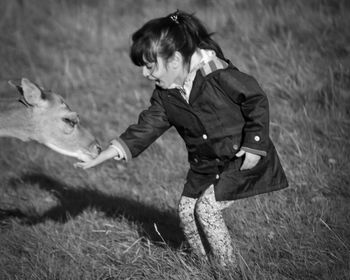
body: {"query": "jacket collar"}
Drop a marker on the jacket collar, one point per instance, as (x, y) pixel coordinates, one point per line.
(213, 65)
(200, 73)
(206, 69)
(204, 61)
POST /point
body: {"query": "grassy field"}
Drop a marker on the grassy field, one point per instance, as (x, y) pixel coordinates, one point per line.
(119, 221)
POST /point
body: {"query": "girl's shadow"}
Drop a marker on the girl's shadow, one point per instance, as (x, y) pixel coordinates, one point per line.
(73, 201)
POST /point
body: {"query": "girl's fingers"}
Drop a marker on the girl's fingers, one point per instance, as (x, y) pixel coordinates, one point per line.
(89, 164)
(83, 165)
(78, 164)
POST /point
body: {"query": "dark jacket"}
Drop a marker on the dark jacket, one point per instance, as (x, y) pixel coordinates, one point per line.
(227, 111)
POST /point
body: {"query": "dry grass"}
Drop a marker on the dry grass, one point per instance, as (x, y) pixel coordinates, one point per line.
(58, 222)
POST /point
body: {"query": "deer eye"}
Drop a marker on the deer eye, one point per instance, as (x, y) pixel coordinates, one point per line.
(71, 122)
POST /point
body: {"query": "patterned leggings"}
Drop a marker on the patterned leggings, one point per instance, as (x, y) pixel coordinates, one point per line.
(204, 215)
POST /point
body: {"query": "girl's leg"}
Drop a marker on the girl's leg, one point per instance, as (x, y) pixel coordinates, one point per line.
(189, 226)
(210, 218)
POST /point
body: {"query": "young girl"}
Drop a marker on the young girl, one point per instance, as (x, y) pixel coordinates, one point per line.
(222, 115)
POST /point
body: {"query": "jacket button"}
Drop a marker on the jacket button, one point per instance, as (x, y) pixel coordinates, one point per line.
(217, 160)
(196, 160)
(205, 137)
(257, 138)
(235, 146)
(217, 176)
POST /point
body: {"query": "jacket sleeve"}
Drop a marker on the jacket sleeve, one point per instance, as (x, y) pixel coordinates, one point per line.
(244, 90)
(152, 123)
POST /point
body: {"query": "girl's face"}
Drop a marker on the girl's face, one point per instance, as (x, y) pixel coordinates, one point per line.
(165, 73)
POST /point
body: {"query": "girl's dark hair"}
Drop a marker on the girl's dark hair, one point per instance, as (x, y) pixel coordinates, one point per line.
(164, 36)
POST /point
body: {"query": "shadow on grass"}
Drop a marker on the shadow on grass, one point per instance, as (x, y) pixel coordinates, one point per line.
(72, 202)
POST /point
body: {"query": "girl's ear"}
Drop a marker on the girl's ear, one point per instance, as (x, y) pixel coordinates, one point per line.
(177, 60)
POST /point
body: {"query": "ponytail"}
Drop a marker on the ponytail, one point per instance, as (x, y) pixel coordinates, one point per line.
(194, 29)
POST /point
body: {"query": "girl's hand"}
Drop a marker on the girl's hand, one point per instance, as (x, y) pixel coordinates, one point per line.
(107, 154)
(249, 161)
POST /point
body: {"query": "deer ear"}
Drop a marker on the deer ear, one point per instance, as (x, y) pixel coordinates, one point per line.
(17, 85)
(32, 93)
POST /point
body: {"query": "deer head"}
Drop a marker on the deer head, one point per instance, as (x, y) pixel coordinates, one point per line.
(43, 116)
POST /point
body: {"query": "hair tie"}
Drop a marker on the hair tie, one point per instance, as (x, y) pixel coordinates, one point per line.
(174, 18)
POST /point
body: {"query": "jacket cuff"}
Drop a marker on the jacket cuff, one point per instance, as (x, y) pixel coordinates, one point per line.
(119, 142)
(254, 151)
